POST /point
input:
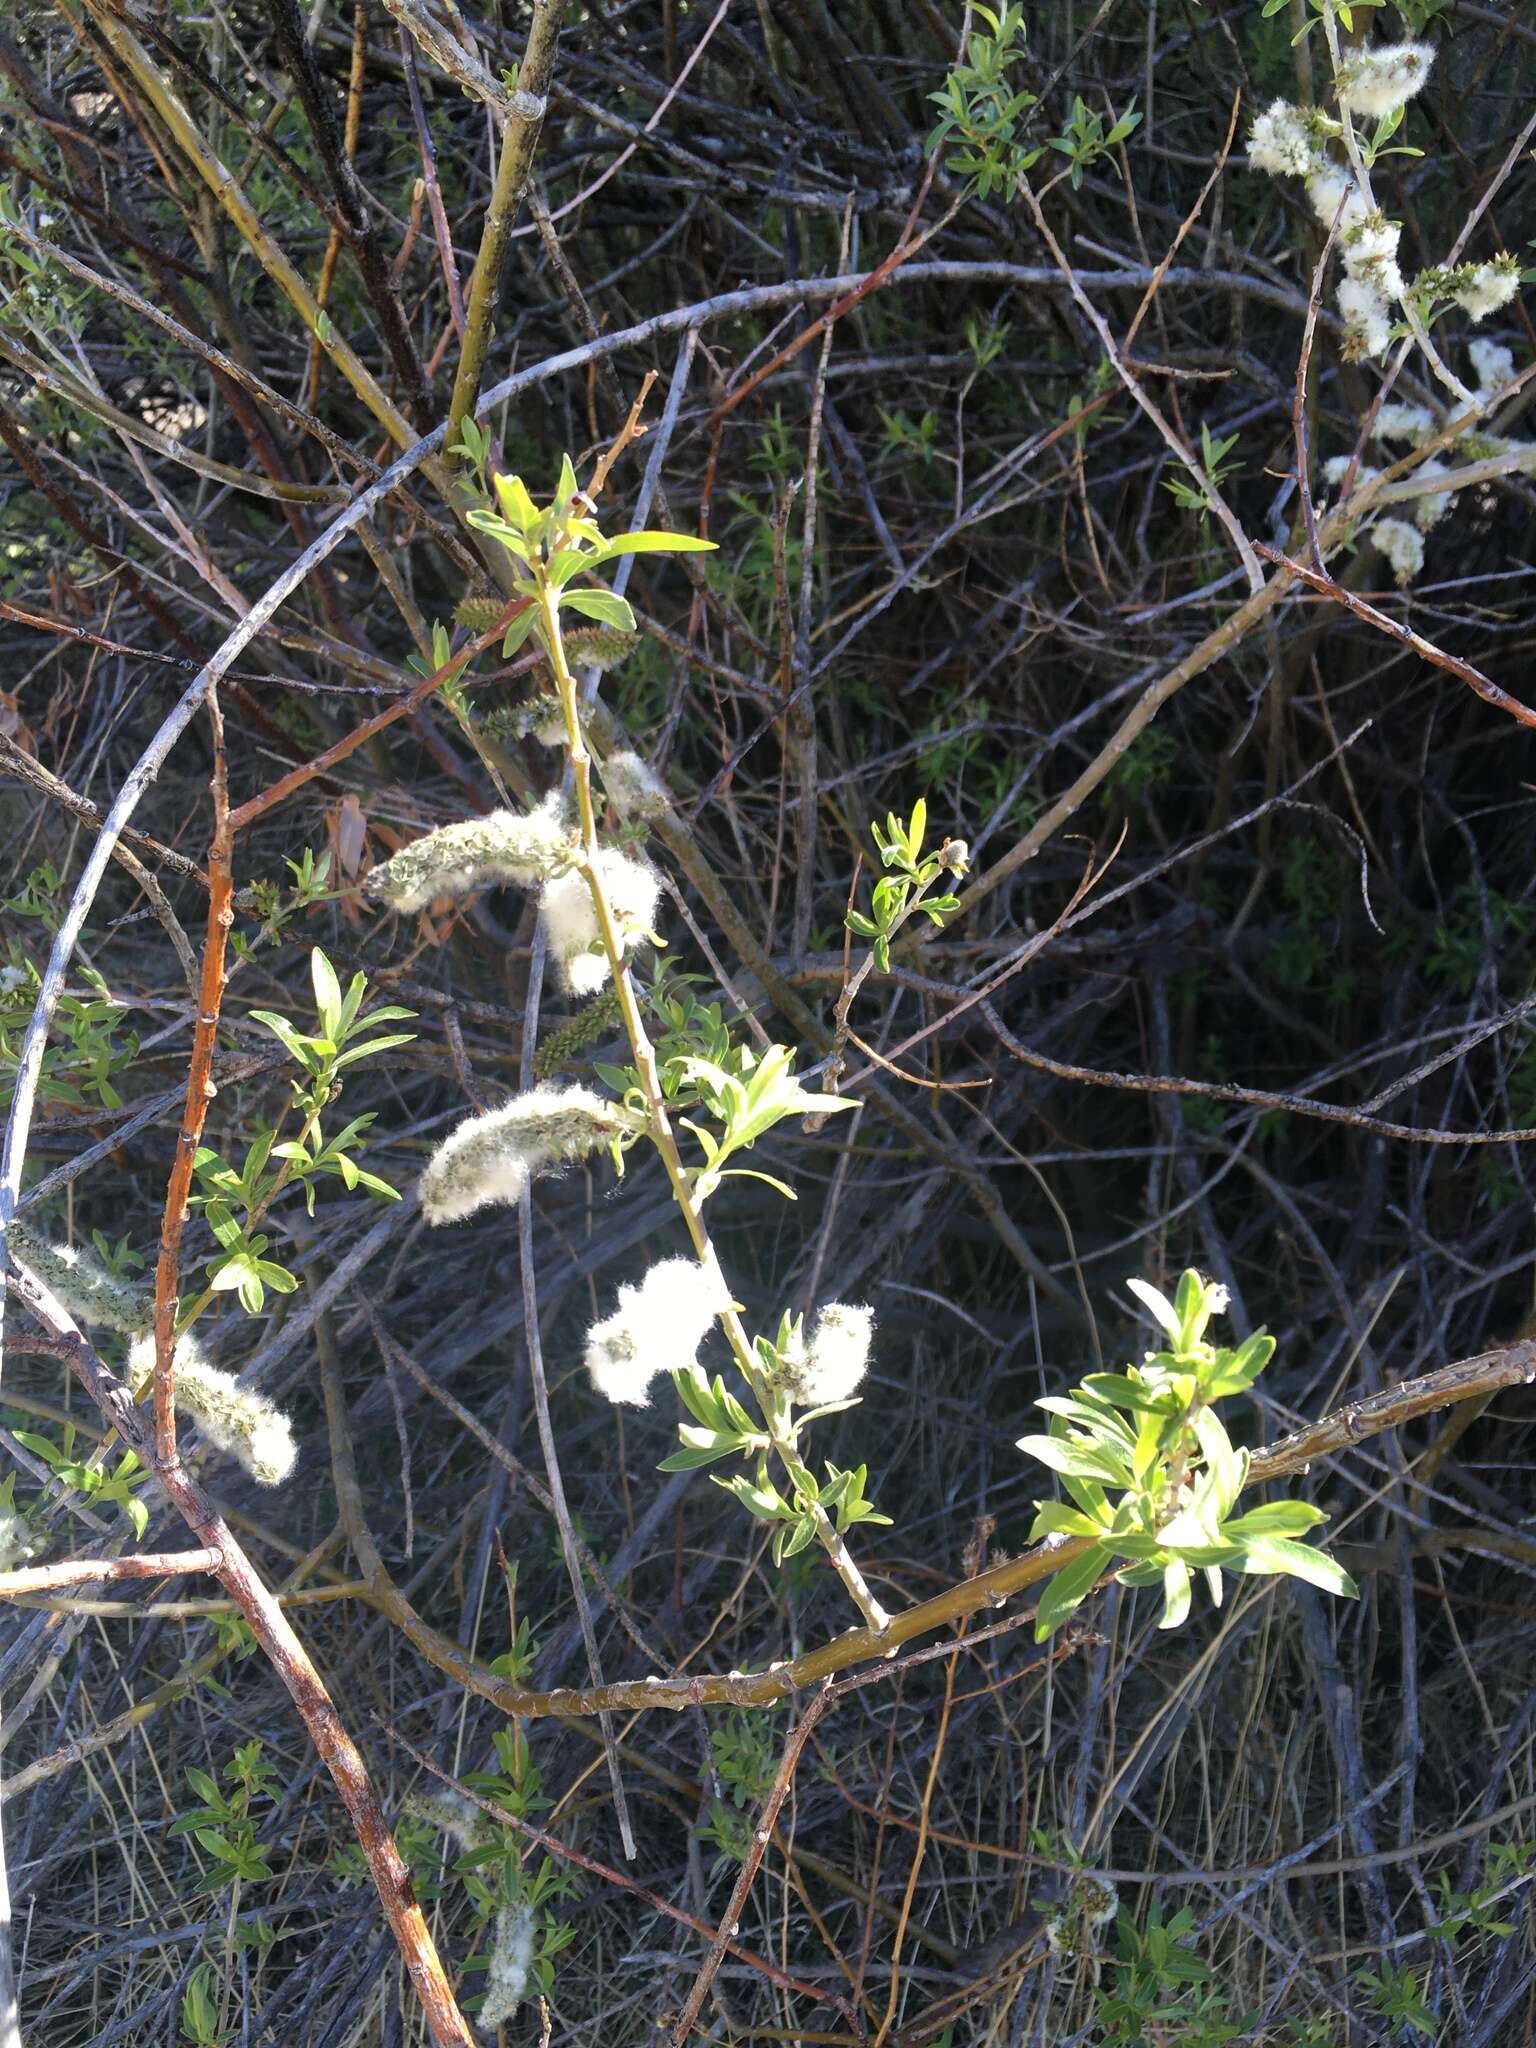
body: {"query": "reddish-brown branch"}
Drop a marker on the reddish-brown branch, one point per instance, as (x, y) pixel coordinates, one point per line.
(1319, 580)
(88, 1571)
(762, 1834)
(296, 779)
(907, 246)
(200, 1092)
(289, 1659)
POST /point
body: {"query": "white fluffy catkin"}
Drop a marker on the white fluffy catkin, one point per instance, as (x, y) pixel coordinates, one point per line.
(1429, 510)
(634, 789)
(837, 1354)
(570, 921)
(1482, 288)
(1367, 319)
(1336, 468)
(243, 1424)
(510, 1960)
(488, 1160)
(1282, 143)
(16, 1544)
(478, 853)
(1403, 546)
(656, 1328)
(1410, 423)
(1492, 364)
(84, 1286)
(460, 1820)
(1331, 189)
(1378, 80)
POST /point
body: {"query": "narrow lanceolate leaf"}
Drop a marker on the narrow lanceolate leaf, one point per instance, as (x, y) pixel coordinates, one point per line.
(1157, 1305)
(1080, 1461)
(655, 543)
(1175, 1594)
(1054, 1518)
(1264, 1556)
(1069, 1589)
(602, 605)
(1274, 1518)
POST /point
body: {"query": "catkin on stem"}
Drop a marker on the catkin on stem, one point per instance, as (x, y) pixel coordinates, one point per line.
(488, 1160)
(477, 853)
(656, 1328)
(82, 1283)
(235, 1420)
(570, 917)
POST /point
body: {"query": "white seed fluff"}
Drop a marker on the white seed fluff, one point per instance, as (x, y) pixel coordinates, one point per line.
(487, 1161)
(656, 1328)
(1492, 364)
(1482, 288)
(1281, 144)
(634, 788)
(83, 1284)
(463, 1822)
(510, 1958)
(1335, 468)
(1433, 506)
(243, 1424)
(477, 853)
(570, 921)
(1367, 320)
(1403, 546)
(837, 1356)
(1375, 241)
(1410, 423)
(1377, 81)
(16, 1544)
(1329, 189)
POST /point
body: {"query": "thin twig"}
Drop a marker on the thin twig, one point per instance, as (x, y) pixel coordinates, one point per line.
(288, 1657)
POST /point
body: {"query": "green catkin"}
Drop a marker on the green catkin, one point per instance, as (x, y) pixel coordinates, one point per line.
(598, 646)
(597, 1021)
(458, 1818)
(479, 614)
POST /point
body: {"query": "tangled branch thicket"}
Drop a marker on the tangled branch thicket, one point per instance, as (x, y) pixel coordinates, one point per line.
(1108, 427)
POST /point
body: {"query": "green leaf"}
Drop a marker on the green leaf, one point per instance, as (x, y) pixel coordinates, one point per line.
(1082, 1461)
(1054, 1518)
(1266, 1556)
(691, 1460)
(1274, 1518)
(518, 508)
(1236, 1371)
(1068, 1590)
(1158, 1306)
(653, 542)
(292, 1039)
(40, 1447)
(569, 562)
(518, 631)
(386, 1044)
(1175, 1593)
(497, 529)
(603, 605)
(327, 992)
